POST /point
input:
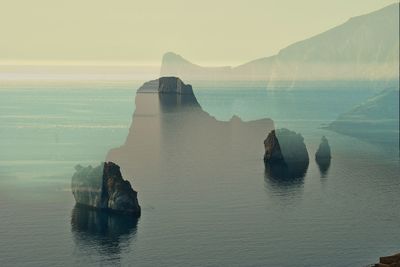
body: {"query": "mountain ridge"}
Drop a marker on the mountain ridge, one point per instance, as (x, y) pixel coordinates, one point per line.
(365, 47)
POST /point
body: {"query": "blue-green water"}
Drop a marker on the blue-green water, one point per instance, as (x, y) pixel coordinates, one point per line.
(348, 217)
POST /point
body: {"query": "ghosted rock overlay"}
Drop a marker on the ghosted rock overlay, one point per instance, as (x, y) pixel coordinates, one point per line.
(375, 120)
(171, 134)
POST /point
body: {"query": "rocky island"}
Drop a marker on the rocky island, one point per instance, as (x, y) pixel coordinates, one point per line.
(285, 154)
(104, 188)
(323, 156)
(324, 150)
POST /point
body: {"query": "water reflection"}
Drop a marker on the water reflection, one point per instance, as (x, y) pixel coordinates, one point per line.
(285, 181)
(286, 172)
(106, 232)
(323, 165)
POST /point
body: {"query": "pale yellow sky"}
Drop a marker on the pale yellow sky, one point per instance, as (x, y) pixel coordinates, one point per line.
(209, 32)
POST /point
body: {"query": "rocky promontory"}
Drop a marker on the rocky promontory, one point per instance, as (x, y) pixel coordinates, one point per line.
(104, 188)
(389, 261)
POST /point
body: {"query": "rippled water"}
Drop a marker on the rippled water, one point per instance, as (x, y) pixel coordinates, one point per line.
(239, 217)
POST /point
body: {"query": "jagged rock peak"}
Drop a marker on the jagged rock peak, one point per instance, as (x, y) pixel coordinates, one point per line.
(166, 85)
(104, 188)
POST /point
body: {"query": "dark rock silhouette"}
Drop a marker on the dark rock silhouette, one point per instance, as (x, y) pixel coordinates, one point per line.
(273, 150)
(103, 188)
(171, 134)
(324, 150)
(389, 261)
(166, 85)
(285, 145)
(286, 155)
(323, 156)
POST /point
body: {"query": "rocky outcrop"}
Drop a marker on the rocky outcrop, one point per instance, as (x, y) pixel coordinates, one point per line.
(285, 154)
(389, 261)
(166, 85)
(273, 150)
(285, 145)
(324, 150)
(104, 188)
(323, 156)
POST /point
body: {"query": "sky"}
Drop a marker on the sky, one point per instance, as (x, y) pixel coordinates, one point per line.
(208, 32)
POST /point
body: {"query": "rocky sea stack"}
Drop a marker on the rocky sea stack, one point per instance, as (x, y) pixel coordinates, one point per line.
(323, 156)
(324, 150)
(285, 145)
(104, 188)
(286, 154)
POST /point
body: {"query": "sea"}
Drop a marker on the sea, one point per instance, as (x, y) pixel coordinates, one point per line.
(346, 216)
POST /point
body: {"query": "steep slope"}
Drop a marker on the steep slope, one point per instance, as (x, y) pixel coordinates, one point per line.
(376, 119)
(363, 48)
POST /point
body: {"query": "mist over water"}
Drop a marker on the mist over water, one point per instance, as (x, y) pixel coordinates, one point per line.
(219, 208)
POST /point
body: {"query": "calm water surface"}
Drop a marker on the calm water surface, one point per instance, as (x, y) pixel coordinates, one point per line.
(347, 216)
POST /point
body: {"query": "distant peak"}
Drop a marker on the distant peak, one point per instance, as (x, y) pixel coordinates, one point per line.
(171, 57)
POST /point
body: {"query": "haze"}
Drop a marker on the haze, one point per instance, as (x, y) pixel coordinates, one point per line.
(124, 32)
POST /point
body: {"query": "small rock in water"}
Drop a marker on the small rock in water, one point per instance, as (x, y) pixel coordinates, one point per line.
(324, 150)
(104, 188)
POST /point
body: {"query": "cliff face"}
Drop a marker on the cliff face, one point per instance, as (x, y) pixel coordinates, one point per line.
(103, 187)
(166, 85)
(273, 150)
(171, 133)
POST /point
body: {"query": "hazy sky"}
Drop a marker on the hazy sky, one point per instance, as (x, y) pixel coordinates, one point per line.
(211, 32)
